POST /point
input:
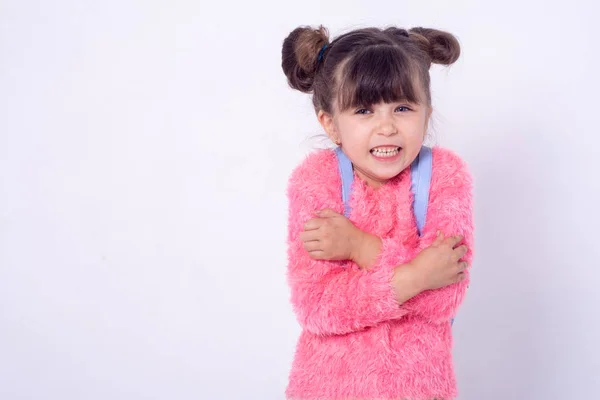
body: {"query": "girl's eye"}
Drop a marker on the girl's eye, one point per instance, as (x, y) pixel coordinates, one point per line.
(404, 107)
(362, 111)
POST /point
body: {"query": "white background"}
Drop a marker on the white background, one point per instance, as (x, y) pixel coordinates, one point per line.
(144, 153)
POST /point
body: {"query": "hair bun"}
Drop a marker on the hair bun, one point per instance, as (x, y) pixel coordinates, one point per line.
(299, 56)
(442, 47)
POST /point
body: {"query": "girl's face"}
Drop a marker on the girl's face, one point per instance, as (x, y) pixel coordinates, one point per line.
(381, 140)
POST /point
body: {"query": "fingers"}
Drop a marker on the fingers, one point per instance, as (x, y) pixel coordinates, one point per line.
(450, 240)
(316, 223)
(453, 241)
(460, 252)
(312, 224)
(461, 272)
(310, 235)
(439, 239)
(313, 246)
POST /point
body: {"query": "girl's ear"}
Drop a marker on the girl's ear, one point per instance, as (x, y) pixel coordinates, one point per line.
(328, 124)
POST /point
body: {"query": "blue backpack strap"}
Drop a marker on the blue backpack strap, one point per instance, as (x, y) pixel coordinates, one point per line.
(347, 175)
(420, 173)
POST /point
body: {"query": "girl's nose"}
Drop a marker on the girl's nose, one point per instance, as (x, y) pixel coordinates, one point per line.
(387, 127)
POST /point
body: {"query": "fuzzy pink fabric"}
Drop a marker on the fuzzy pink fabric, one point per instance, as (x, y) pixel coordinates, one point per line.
(357, 341)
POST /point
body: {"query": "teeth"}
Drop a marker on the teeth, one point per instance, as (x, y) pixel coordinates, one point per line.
(387, 152)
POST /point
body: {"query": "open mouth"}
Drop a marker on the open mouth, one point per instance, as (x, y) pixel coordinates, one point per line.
(387, 151)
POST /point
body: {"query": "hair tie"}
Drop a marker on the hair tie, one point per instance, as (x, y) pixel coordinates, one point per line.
(320, 57)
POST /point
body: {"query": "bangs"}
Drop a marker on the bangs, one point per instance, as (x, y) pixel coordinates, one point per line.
(378, 74)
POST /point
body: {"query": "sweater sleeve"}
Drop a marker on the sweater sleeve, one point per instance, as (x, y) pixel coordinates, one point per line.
(450, 210)
(336, 297)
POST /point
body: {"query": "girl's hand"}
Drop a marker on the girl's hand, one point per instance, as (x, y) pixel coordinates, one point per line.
(331, 236)
(440, 264)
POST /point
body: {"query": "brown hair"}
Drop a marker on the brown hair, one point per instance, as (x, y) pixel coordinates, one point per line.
(365, 66)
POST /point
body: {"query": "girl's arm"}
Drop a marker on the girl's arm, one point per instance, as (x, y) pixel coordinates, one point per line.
(337, 297)
(450, 210)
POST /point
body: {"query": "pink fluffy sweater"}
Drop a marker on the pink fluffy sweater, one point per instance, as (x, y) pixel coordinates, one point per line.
(357, 341)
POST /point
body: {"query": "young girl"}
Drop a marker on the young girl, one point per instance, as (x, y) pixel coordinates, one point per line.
(375, 297)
